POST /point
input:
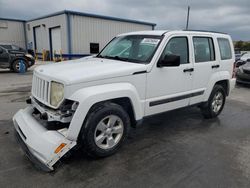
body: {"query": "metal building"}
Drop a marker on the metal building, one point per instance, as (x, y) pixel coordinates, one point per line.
(76, 33)
(12, 31)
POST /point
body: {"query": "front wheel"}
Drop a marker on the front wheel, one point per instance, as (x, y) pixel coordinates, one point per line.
(215, 103)
(18, 67)
(105, 130)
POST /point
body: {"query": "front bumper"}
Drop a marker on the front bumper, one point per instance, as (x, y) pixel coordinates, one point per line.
(243, 78)
(39, 143)
(31, 62)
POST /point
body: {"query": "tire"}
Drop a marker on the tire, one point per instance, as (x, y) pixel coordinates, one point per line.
(215, 103)
(99, 136)
(15, 66)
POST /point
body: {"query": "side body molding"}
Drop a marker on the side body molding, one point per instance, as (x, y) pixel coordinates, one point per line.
(89, 96)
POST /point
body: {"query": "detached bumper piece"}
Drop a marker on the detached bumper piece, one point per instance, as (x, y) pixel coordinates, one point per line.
(31, 157)
(43, 147)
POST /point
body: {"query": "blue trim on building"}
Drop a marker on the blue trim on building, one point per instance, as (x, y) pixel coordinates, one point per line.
(11, 19)
(68, 23)
(93, 16)
(25, 36)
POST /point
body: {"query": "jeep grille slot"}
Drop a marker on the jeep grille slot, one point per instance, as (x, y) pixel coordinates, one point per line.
(40, 89)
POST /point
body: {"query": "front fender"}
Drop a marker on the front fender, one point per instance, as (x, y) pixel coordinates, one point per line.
(89, 96)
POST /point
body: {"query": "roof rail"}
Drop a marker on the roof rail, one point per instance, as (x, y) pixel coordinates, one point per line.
(204, 31)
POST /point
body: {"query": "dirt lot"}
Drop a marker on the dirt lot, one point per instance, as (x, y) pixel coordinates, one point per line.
(174, 149)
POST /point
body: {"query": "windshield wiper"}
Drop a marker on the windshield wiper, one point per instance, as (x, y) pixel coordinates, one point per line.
(114, 57)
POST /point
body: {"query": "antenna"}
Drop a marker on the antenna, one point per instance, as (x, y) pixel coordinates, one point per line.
(187, 17)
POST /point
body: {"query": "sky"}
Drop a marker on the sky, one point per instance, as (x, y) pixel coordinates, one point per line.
(229, 16)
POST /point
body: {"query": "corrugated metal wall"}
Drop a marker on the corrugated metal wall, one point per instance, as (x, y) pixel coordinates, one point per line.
(12, 32)
(45, 24)
(85, 30)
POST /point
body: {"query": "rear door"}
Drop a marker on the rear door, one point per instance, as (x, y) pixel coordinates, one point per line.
(205, 65)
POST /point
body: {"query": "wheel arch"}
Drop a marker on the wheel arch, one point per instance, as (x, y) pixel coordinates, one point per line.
(220, 78)
(123, 94)
(19, 58)
(224, 84)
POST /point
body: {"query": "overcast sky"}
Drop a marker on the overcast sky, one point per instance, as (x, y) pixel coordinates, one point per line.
(230, 16)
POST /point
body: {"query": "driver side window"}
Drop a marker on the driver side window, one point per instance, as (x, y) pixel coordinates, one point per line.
(177, 46)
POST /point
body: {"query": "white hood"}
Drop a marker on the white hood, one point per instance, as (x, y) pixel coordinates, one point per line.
(88, 69)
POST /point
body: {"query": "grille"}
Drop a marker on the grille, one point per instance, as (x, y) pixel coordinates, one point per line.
(41, 89)
(246, 71)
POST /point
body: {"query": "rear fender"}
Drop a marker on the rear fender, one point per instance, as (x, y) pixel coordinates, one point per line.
(219, 76)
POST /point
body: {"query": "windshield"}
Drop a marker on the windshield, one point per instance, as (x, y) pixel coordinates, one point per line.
(6, 46)
(132, 48)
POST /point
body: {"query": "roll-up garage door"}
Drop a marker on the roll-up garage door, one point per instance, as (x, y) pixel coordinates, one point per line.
(38, 39)
(56, 43)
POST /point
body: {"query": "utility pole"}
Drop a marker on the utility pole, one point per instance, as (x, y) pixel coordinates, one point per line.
(187, 18)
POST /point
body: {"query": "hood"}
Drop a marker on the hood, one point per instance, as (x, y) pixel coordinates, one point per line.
(87, 69)
(246, 66)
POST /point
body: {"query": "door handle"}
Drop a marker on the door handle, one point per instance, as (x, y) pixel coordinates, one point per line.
(215, 66)
(188, 70)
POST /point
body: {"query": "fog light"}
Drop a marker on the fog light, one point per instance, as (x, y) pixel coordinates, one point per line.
(59, 148)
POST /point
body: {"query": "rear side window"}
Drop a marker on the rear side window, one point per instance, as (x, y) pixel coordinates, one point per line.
(225, 49)
(203, 49)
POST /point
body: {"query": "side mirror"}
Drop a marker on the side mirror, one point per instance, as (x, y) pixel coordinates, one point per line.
(1, 50)
(170, 61)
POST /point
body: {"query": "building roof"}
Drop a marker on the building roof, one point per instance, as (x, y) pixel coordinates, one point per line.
(93, 16)
(11, 19)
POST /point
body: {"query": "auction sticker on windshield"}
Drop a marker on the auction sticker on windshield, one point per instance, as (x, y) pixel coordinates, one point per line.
(150, 41)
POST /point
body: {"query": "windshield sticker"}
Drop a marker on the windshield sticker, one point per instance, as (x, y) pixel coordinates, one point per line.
(150, 41)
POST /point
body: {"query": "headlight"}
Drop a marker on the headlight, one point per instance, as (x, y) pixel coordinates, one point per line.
(56, 93)
(29, 56)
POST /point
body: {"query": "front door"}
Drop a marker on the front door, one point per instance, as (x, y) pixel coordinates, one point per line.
(4, 58)
(170, 87)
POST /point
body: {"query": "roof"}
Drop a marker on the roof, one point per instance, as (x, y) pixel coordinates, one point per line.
(92, 16)
(11, 19)
(162, 32)
(153, 32)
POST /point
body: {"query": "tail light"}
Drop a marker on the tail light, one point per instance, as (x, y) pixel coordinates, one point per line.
(234, 71)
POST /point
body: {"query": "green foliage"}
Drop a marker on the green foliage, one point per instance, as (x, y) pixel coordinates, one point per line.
(243, 46)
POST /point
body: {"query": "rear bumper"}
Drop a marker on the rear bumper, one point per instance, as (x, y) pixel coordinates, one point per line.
(232, 84)
(38, 143)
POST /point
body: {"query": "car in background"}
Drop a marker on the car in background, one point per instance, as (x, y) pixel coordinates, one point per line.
(237, 53)
(243, 59)
(11, 57)
(243, 74)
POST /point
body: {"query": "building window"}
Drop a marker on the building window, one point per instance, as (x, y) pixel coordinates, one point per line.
(94, 48)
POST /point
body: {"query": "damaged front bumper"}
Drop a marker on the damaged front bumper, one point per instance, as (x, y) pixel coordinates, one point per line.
(42, 146)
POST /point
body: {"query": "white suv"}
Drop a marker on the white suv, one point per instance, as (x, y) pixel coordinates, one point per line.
(93, 101)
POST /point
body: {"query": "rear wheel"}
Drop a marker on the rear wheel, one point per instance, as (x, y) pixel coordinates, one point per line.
(16, 66)
(105, 130)
(215, 103)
